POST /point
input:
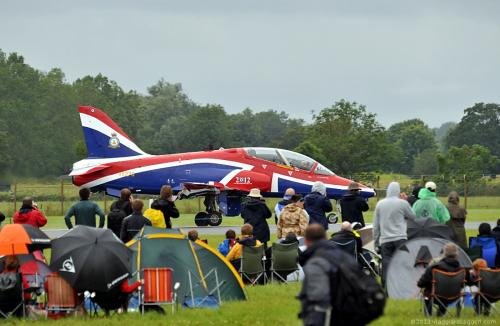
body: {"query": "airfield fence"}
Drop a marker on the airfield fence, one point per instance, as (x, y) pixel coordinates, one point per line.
(55, 197)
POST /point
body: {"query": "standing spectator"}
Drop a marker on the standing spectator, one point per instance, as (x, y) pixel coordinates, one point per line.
(29, 214)
(317, 205)
(352, 205)
(319, 273)
(84, 211)
(496, 231)
(414, 195)
(132, 224)
(450, 264)
(228, 244)
(2, 218)
(389, 224)
(293, 218)
(457, 219)
(484, 231)
(119, 210)
(165, 203)
(428, 206)
(281, 204)
(255, 212)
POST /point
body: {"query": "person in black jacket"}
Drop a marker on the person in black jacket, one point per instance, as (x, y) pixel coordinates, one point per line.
(317, 205)
(346, 234)
(450, 264)
(2, 218)
(119, 210)
(255, 212)
(132, 224)
(414, 195)
(496, 231)
(353, 205)
(165, 203)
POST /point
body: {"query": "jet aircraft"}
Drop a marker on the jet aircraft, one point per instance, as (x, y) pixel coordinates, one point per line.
(222, 176)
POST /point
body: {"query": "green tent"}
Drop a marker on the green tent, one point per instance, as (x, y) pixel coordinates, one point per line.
(195, 260)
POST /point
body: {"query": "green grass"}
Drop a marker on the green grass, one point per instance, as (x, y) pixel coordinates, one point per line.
(266, 305)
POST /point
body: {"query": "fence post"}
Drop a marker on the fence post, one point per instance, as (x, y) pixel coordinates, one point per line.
(105, 203)
(378, 188)
(15, 197)
(62, 197)
(465, 191)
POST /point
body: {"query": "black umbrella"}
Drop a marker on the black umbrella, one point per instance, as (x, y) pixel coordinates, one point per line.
(428, 228)
(91, 259)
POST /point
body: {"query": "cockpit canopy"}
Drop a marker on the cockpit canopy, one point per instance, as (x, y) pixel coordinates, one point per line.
(289, 158)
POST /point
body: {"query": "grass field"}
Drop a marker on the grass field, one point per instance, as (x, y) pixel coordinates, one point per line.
(266, 305)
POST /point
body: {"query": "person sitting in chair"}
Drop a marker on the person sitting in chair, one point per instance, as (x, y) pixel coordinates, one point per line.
(347, 234)
(116, 298)
(11, 288)
(246, 239)
(449, 263)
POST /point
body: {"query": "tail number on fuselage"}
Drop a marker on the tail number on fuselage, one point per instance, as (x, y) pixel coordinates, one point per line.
(243, 180)
(126, 174)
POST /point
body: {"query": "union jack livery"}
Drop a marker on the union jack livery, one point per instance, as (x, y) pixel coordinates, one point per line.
(222, 176)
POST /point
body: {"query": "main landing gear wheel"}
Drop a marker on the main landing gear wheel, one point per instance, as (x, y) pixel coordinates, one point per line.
(201, 219)
(215, 218)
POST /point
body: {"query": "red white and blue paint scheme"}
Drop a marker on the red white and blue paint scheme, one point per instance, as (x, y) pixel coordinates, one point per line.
(223, 176)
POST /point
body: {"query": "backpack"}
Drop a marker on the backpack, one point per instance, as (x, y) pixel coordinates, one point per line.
(115, 219)
(8, 281)
(156, 217)
(357, 298)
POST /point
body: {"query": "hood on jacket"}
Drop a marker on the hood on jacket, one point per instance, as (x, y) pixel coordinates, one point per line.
(452, 262)
(25, 209)
(248, 241)
(311, 250)
(284, 202)
(291, 208)
(425, 193)
(393, 190)
(453, 198)
(253, 204)
(320, 187)
(23, 216)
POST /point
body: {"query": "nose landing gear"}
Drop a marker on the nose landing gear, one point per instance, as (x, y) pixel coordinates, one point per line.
(212, 216)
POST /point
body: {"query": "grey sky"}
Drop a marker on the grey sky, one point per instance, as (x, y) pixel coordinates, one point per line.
(402, 59)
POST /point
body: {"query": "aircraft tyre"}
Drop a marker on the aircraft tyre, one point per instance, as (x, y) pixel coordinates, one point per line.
(201, 219)
(214, 219)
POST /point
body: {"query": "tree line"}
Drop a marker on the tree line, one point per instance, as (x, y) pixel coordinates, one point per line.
(40, 133)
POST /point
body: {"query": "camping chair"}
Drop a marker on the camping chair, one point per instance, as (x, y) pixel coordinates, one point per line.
(488, 246)
(157, 288)
(489, 288)
(60, 296)
(284, 259)
(12, 298)
(208, 300)
(376, 259)
(251, 267)
(349, 247)
(447, 288)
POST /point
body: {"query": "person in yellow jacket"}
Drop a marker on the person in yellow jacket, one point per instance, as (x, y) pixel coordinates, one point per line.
(246, 239)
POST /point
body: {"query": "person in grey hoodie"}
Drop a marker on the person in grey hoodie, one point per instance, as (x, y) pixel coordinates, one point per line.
(389, 224)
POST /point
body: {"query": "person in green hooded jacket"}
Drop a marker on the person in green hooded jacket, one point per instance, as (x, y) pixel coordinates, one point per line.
(428, 206)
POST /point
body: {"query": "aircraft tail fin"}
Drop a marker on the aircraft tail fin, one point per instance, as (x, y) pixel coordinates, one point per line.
(103, 137)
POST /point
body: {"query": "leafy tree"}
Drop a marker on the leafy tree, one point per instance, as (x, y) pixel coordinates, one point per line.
(442, 132)
(412, 137)
(426, 163)
(480, 125)
(471, 160)
(350, 138)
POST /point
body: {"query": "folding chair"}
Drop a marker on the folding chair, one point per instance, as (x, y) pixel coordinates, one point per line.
(348, 247)
(362, 258)
(447, 288)
(60, 296)
(12, 299)
(157, 288)
(207, 299)
(489, 288)
(252, 268)
(284, 259)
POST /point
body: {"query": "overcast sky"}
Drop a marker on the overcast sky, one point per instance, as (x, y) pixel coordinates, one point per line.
(402, 59)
